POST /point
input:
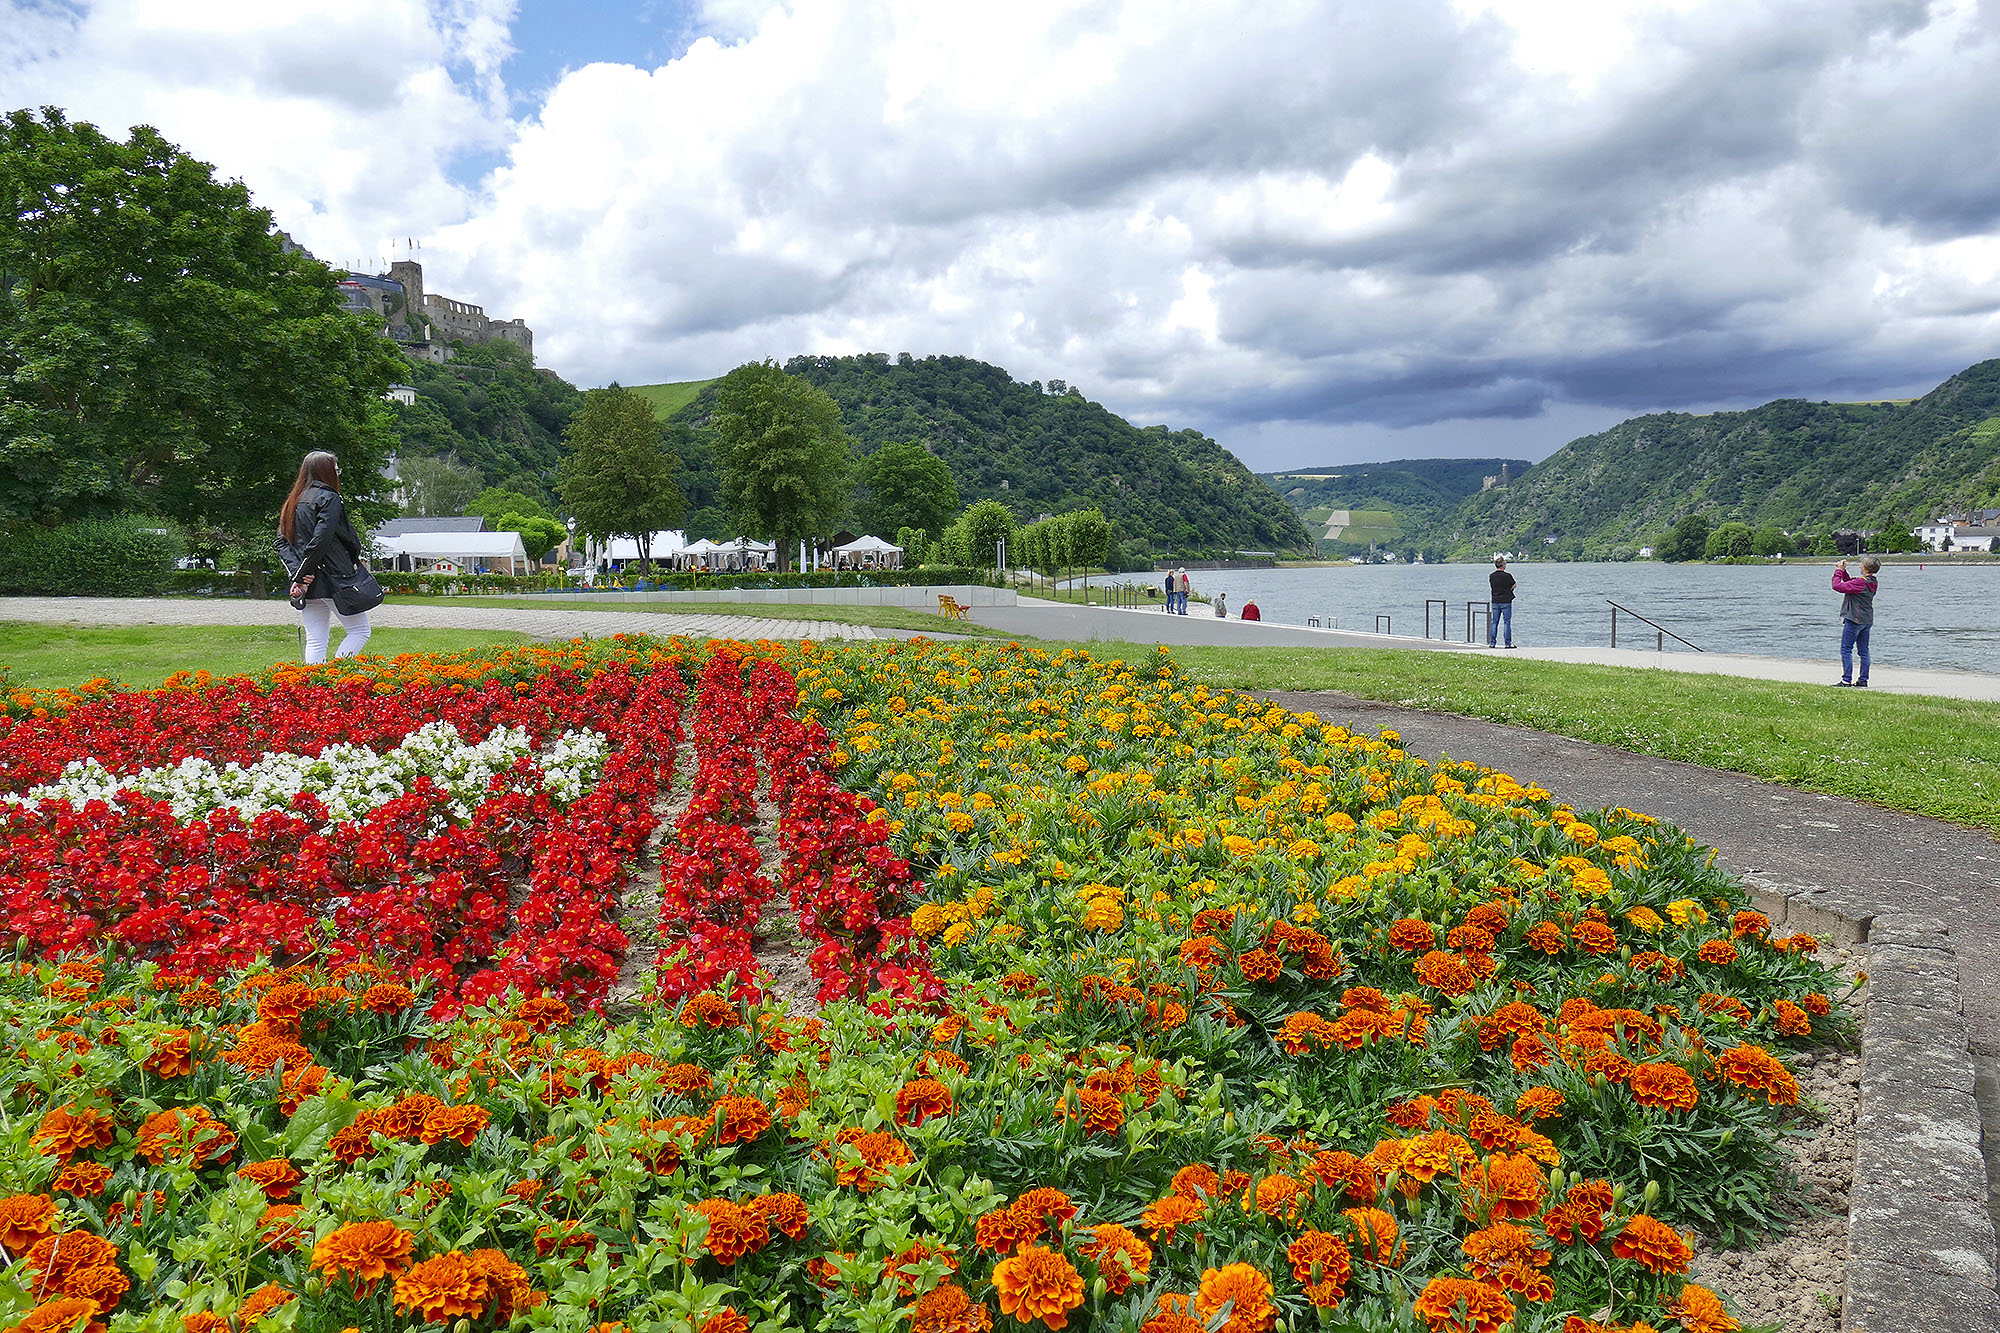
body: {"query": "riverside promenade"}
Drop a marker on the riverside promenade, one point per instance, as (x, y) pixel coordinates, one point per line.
(1061, 620)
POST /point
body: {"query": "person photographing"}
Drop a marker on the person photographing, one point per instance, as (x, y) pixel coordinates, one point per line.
(1857, 616)
(322, 556)
(1501, 604)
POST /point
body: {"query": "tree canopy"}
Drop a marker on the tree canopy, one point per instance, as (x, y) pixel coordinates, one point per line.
(904, 486)
(160, 350)
(617, 479)
(784, 454)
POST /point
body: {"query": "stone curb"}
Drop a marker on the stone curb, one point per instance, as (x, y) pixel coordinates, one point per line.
(1920, 1239)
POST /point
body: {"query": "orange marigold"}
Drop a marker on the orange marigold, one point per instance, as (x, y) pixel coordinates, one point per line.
(387, 998)
(1460, 1305)
(1196, 1180)
(365, 1252)
(1120, 1255)
(727, 1321)
(1594, 937)
(459, 1124)
(1755, 1069)
(921, 1099)
(733, 1231)
(1506, 1186)
(1247, 1293)
(64, 1133)
(1700, 1310)
(1038, 1283)
(86, 1180)
(1663, 1085)
(60, 1316)
(1005, 1230)
(1279, 1195)
(1376, 1230)
(1719, 952)
(947, 1309)
(1261, 965)
(1411, 936)
(1163, 1218)
(172, 1054)
(262, 1301)
(710, 1011)
(742, 1119)
(784, 1213)
(1047, 1205)
(1321, 1260)
(278, 1178)
(25, 1219)
(188, 1134)
(59, 1258)
(1654, 1244)
(1102, 1112)
(1792, 1020)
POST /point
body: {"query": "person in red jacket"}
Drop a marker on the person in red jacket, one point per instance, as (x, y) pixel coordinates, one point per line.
(1250, 611)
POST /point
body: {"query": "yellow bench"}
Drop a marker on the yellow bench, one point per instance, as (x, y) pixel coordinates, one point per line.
(950, 608)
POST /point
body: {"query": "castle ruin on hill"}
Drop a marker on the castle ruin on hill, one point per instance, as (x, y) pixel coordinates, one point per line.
(422, 323)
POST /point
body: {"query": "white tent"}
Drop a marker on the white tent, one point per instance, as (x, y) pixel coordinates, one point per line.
(667, 544)
(468, 552)
(868, 553)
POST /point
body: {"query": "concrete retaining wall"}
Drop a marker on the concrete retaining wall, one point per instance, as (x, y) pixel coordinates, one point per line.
(1920, 1237)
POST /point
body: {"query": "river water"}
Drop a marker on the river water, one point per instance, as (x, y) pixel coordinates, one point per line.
(1929, 616)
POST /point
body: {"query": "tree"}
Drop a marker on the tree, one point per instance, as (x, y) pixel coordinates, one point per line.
(916, 543)
(1089, 541)
(1771, 540)
(160, 350)
(435, 487)
(539, 535)
(617, 479)
(1729, 542)
(784, 454)
(493, 502)
(904, 486)
(1686, 540)
(983, 527)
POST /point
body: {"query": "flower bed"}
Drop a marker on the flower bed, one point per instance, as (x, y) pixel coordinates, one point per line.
(1182, 1012)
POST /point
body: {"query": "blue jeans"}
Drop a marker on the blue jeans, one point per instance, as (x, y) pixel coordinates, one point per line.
(1853, 636)
(1502, 612)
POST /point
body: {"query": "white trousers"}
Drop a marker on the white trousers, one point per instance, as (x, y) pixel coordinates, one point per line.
(320, 614)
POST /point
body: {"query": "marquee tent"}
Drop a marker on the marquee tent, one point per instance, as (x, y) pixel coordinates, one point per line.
(480, 552)
(868, 553)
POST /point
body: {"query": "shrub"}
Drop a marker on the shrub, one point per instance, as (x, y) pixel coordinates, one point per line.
(131, 555)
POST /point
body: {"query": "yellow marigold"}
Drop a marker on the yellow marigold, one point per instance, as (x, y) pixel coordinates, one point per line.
(1038, 1283)
(1247, 1293)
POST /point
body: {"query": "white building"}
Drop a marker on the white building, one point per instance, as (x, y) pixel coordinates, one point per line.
(1970, 538)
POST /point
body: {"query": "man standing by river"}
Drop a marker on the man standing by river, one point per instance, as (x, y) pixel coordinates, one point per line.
(1502, 607)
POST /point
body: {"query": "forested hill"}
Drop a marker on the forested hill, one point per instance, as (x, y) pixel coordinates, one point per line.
(1793, 464)
(1047, 449)
(1418, 492)
(489, 409)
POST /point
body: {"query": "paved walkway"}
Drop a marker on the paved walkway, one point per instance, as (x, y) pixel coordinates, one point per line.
(555, 622)
(1060, 620)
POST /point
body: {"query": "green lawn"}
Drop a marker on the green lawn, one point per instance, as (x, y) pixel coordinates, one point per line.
(1907, 752)
(668, 399)
(49, 656)
(880, 617)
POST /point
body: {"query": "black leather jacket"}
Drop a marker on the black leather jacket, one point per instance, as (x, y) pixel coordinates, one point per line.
(323, 541)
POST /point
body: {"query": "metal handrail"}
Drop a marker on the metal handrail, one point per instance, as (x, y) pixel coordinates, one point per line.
(1660, 640)
(1444, 617)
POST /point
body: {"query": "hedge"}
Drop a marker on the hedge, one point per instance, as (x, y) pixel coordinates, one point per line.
(132, 555)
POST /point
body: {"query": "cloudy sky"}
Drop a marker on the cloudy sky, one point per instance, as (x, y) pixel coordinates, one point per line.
(1320, 232)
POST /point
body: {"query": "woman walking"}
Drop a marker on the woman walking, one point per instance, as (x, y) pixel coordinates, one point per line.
(323, 557)
(1857, 616)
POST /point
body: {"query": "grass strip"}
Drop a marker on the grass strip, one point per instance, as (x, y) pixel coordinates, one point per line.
(45, 655)
(877, 617)
(1915, 753)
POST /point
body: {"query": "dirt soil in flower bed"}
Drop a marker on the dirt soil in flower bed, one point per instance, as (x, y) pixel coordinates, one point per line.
(1794, 1281)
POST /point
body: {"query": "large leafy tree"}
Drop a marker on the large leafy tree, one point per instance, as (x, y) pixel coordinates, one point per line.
(160, 350)
(617, 480)
(784, 454)
(905, 486)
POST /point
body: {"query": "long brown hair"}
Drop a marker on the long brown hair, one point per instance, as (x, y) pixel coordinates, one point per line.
(317, 466)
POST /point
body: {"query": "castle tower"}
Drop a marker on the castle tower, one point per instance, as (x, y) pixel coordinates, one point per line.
(411, 274)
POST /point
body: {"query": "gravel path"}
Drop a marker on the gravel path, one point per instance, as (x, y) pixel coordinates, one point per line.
(554, 622)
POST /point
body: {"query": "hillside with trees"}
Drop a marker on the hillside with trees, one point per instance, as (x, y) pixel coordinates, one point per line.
(1037, 449)
(1410, 496)
(488, 410)
(1790, 465)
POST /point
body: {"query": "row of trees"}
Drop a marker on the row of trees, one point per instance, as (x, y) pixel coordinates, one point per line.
(1693, 538)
